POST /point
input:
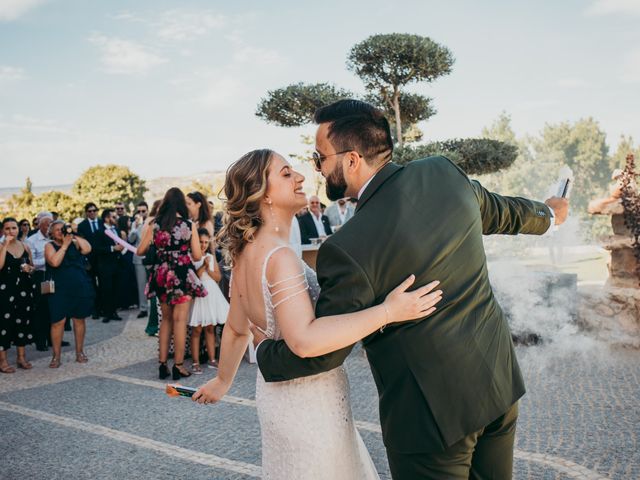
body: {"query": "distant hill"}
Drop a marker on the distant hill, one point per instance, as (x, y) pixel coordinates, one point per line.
(156, 186)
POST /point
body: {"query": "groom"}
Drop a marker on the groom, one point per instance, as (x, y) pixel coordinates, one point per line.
(448, 386)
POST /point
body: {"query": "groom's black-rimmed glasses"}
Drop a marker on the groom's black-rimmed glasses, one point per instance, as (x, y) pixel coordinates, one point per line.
(318, 158)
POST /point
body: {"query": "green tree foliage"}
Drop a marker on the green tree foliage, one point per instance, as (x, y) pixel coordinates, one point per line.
(528, 176)
(413, 109)
(294, 105)
(626, 146)
(107, 184)
(582, 146)
(27, 205)
(388, 63)
(474, 155)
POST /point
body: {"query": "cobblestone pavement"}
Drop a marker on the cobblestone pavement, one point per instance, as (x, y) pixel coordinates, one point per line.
(110, 418)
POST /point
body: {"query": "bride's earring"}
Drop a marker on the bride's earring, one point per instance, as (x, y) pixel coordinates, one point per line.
(276, 228)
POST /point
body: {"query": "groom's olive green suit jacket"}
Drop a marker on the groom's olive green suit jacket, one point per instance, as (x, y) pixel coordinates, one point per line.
(455, 372)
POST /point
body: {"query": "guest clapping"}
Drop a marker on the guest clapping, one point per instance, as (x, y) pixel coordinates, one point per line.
(173, 278)
(209, 311)
(16, 296)
(74, 295)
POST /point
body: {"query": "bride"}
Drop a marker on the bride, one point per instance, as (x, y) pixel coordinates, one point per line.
(306, 424)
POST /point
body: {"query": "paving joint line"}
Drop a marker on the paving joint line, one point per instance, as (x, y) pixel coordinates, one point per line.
(567, 467)
(175, 451)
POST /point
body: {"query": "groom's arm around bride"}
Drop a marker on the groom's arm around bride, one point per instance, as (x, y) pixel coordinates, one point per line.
(443, 383)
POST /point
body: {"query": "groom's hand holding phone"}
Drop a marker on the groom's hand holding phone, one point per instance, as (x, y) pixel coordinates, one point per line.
(560, 207)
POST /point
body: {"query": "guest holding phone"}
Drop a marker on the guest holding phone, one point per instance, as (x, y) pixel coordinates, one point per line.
(16, 296)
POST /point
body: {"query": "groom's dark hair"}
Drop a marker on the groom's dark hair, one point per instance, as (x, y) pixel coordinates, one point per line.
(359, 126)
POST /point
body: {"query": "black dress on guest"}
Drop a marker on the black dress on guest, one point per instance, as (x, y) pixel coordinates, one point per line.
(16, 303)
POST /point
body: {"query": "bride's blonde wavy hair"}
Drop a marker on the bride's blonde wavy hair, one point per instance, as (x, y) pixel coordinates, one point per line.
(244, 188)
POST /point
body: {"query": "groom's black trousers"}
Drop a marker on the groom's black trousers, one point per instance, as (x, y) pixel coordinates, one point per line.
(485, 454)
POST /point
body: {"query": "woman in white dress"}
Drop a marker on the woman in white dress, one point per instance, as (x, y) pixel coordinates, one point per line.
(208, 311)
(306, 424)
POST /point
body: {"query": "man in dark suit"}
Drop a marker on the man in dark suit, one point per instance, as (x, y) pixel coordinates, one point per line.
(448, 385)
(89, 229)
(107, 254)
(314, 224)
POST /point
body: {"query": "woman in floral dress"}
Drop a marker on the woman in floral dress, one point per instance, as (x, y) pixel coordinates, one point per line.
(173, 279)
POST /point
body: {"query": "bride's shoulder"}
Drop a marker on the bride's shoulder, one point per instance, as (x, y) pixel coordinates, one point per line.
(282, 262)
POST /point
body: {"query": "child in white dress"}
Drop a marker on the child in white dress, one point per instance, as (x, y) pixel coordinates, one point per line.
(208, 311)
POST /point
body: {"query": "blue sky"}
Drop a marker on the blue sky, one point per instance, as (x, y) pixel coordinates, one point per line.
(171, 87)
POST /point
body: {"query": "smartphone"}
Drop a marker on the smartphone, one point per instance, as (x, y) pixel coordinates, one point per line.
(564, 187)
(174, 390)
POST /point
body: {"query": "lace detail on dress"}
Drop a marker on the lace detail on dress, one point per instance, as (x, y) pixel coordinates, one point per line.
(306, 424)
(307, 283)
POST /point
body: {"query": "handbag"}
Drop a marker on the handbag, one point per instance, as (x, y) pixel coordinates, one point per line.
(47, 286)
(151, 257)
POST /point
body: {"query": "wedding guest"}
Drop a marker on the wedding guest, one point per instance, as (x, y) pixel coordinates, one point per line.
(107, 253)
(314, 224)
(173, 278)
(120, 209)
(90, 229)
(199, 211)
(54, 215)
(126, 286)
(339, 213)
(74, 294)
(135, 235)
(16, 296)
(208, 311)
(36, 243)
(24, 229)
(217, 222)
(148, 261)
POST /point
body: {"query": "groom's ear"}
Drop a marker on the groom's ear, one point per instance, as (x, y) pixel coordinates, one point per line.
(353, 161)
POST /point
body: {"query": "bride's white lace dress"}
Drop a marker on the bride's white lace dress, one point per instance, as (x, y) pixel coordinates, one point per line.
(307, 426)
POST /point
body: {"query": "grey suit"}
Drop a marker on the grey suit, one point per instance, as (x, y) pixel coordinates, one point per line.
(135, 235)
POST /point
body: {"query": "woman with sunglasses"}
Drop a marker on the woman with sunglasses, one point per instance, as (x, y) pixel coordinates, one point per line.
(24, 229)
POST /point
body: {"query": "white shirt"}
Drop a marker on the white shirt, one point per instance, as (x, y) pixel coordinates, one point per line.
(295, 238)
(93, 224)
(319, 225)
(36, 243)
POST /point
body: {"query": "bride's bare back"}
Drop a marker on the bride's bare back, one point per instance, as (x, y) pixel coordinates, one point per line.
(247, 278)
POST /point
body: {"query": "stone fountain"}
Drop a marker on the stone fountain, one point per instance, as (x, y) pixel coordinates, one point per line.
(615, 309)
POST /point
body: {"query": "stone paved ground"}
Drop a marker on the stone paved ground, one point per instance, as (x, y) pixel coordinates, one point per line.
(109, 419)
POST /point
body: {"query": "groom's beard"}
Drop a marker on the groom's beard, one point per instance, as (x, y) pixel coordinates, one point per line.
(336, 185)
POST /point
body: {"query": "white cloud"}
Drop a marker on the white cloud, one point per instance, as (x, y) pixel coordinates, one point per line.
(257, 56)
(8, 73)
(30, 125)
(608, 7)
(178, 24)
(124, 56)
(631, 67)
(572, 82)
(12, 9)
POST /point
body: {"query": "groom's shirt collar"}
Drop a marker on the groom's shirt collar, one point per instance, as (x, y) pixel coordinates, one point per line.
(364, 187)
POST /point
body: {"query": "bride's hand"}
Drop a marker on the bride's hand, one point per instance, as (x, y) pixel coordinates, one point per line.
(404, 306)
(211, 392)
